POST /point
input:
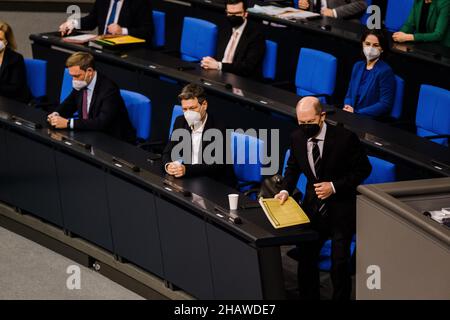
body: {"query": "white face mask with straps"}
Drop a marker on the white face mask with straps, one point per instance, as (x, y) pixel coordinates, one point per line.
(2, 46)
(371, 53)
(79, 84)
(193, 118)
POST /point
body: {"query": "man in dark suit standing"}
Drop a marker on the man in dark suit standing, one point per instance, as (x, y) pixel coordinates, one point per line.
(116, 17)
(243, 53)
(335, 163)
(96, 98)
(196, 123)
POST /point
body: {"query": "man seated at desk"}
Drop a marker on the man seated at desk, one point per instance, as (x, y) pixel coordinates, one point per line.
(96, 98)
(116, 17)
(196, 122)
(243, 53)
(342, 9)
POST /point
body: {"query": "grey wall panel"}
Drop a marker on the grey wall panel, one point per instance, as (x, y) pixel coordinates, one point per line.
(134, 224)
(5, 174)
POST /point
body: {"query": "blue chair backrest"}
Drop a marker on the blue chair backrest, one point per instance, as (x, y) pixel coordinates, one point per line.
(433, 113)
(176, 112)
(398, 101)
(36, 77)
(365, 16)
(198, 40)
(246, 151)
(316, 72)
(302, 181)
(159, 23)
(270, 60)
(66, 87)
(382, 171)
(397, 13)
(139, 111)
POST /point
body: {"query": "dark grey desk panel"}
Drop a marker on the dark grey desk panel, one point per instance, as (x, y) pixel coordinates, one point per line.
(84, 200)
(34, 187)
(134, 224)
(185, 249)
(5, 195)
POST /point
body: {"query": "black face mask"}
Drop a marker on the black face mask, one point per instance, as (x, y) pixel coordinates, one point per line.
(310, 129)
(235, 21)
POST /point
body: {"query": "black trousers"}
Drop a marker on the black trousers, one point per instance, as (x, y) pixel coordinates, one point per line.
(308, 258)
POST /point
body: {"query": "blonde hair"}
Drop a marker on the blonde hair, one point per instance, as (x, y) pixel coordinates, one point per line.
(9, 35)
(83, 60)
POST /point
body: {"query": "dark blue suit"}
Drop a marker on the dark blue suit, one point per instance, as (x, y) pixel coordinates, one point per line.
(371, 94)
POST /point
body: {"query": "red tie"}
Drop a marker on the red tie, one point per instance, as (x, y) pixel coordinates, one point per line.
(85, 105)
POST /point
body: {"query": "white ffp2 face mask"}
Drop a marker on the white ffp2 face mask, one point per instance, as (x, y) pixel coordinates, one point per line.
(79, 84)
(2, 46)
(193, 118)
(371, 53)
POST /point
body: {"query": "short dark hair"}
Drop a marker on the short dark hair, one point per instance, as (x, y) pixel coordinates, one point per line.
(192, 91)
(84, 60)
(244, 3)
(382, 39)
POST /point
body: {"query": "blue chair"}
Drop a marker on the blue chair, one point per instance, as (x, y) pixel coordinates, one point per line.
(382, 172)
(159, 22)
(365, 16)
(316, 74)
(270, 60)
(66, 87)
(246, 157)
(139, 111)
(198, 40)
(37, 77)
(398, 101)
(302, 181)
(397, 13)
(176, 112)
(433, 114)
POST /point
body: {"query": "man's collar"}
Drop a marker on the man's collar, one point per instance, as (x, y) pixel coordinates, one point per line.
(91, 85)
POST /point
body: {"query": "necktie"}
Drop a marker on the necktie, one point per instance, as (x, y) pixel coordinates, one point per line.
(321, 204)
(230, 53)
(84, 105)
(317, 6)
(112, 16)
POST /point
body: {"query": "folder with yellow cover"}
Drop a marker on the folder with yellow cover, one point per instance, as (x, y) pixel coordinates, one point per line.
(285, 215)
(112, 42)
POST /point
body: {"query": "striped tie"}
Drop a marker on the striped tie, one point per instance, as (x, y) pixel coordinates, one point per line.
(321, 205)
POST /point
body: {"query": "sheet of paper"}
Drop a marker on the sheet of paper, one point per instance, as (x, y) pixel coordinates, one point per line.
(81, 37)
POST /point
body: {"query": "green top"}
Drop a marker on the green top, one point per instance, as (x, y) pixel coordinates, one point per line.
(437, 23)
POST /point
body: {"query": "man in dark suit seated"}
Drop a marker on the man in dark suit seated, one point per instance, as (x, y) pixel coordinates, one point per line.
(195, 125)
(116, 17)
(96, 98)
(335, 163)
(342, 9)
(243, 52)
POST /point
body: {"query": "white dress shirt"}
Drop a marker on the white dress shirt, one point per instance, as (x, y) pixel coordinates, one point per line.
(237, 32)
(90, 92)
(75, 25)
(196, 136)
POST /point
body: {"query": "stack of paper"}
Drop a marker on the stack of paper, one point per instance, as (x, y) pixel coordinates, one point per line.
(286, 12)
(285, 215)
(82, 38)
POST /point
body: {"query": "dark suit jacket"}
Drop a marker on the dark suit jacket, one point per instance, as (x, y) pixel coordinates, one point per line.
(13, 77)
(221, 172)
(107, 112)
(249, 55)
(344, 162)
(136, 15)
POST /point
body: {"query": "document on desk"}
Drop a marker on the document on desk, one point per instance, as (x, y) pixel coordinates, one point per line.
(286, 215)
(80, 39)
(283, 12)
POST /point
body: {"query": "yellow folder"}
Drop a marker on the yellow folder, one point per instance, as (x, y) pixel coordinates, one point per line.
(286, 215)
(121, 40)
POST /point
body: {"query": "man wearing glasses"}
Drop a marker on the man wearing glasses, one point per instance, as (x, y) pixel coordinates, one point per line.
(243, 53)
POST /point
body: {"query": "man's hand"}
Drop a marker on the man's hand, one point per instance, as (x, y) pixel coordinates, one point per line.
(348, 108)
(303, 4)
(327, 12)
(402, 37)
(176, 169)
(115, 29)
(58, 122)
(51, 115)
(209, 63)
(282, 196)
(323, 190)
(66, 28)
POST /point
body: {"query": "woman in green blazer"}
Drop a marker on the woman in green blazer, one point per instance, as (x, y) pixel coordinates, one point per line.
(428, 21)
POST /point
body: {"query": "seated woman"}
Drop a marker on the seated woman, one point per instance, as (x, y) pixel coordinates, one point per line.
(372, 86)
(13, 77)
(428, 21)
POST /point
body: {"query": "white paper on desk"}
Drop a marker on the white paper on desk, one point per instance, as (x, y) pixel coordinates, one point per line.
(271, 10)
(439, 216)
(80, 38)
(298, 15)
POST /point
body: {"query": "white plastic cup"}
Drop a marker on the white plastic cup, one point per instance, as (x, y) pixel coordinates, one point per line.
(233, 199)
